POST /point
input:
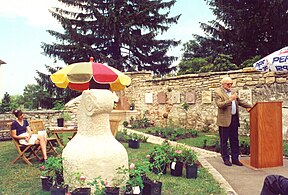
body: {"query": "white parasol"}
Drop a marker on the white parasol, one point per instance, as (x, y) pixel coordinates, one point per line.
(275, 62)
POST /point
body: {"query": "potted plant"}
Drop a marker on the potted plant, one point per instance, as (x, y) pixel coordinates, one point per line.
(132, 106)
(158, 159)
(53, 168)
(98, 185)
(117, 183)
(190, 159)
(137, 171)
(46, 179)
(177, 160)
(80, 181)
(64, 116)
(125, 123)
(134, 140)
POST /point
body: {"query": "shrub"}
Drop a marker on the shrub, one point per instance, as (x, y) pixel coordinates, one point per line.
(125, 123)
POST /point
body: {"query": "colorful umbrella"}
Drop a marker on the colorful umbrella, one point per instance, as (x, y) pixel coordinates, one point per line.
(275, 62)
(88, 75)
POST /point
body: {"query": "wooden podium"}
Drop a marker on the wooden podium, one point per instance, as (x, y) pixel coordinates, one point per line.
(266, 149)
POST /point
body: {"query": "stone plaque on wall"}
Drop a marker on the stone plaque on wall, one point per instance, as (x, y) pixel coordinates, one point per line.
(148, 98)
(176, 97)
(206, 97)
(246, 95)
(161, 97)
(190, 97)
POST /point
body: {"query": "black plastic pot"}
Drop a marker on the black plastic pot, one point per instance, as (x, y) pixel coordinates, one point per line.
(191, 171)
(60, 122)
(111, 191)
(176, 169)
(152, 188)
(57, 190)
(134, 144)
(46, 183)
(81, 191)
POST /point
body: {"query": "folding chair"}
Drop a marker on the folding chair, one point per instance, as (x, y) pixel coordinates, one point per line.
(38, 125)
(26, 152)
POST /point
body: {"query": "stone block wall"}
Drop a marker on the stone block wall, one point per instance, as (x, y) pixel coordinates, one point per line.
(49, 117)
(156, 96)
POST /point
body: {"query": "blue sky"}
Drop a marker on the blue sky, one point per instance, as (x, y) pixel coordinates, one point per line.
(24, 25)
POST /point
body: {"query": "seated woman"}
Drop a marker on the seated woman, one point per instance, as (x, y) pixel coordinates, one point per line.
(22, 131)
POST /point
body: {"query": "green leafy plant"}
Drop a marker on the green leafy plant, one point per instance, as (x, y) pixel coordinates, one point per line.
(79, 179)
(142, 122)
(136, 136)
(65, 115)
(185, 106)
(53, 168)
(177, 154)
(98, 185)
(160, 157)
(136, 172)
(125, 123)
(190, 157)
(205, 143)
(132, 136)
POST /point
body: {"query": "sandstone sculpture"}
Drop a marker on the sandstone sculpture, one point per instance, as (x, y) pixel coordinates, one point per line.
(94, 151)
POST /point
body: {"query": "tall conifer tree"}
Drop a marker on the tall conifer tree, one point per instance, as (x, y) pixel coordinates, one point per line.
(242, 29)
(119, 32)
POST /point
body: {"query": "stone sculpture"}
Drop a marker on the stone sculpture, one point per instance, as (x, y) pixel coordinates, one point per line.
(94, 151)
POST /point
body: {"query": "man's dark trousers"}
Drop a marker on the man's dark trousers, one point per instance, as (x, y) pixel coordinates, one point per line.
(230, 133)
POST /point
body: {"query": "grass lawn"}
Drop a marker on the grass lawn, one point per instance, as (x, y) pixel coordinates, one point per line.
(22, 179)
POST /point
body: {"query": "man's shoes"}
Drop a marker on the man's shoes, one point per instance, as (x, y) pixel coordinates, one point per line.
(227, 163)
(238, 163)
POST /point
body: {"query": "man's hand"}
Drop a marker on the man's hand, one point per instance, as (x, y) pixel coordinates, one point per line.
(233, 97)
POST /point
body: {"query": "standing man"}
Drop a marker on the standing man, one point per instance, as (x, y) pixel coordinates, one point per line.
(227, 102)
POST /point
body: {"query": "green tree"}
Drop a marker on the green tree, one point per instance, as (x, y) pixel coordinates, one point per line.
(222, 62)
(192, 66)
(121, 33)
(5, 103)
(48, 95)
(17, 102)
(242, 30)
(246, 28)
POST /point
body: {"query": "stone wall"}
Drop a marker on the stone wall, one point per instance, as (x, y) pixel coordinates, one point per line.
(156, 96)
(48, 116)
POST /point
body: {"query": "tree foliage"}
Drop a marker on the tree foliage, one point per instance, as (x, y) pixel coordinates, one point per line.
(242, 29)
(5, 103)
(119, 32)
(46, 93)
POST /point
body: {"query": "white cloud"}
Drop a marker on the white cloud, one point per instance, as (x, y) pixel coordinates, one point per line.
(34, 11)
